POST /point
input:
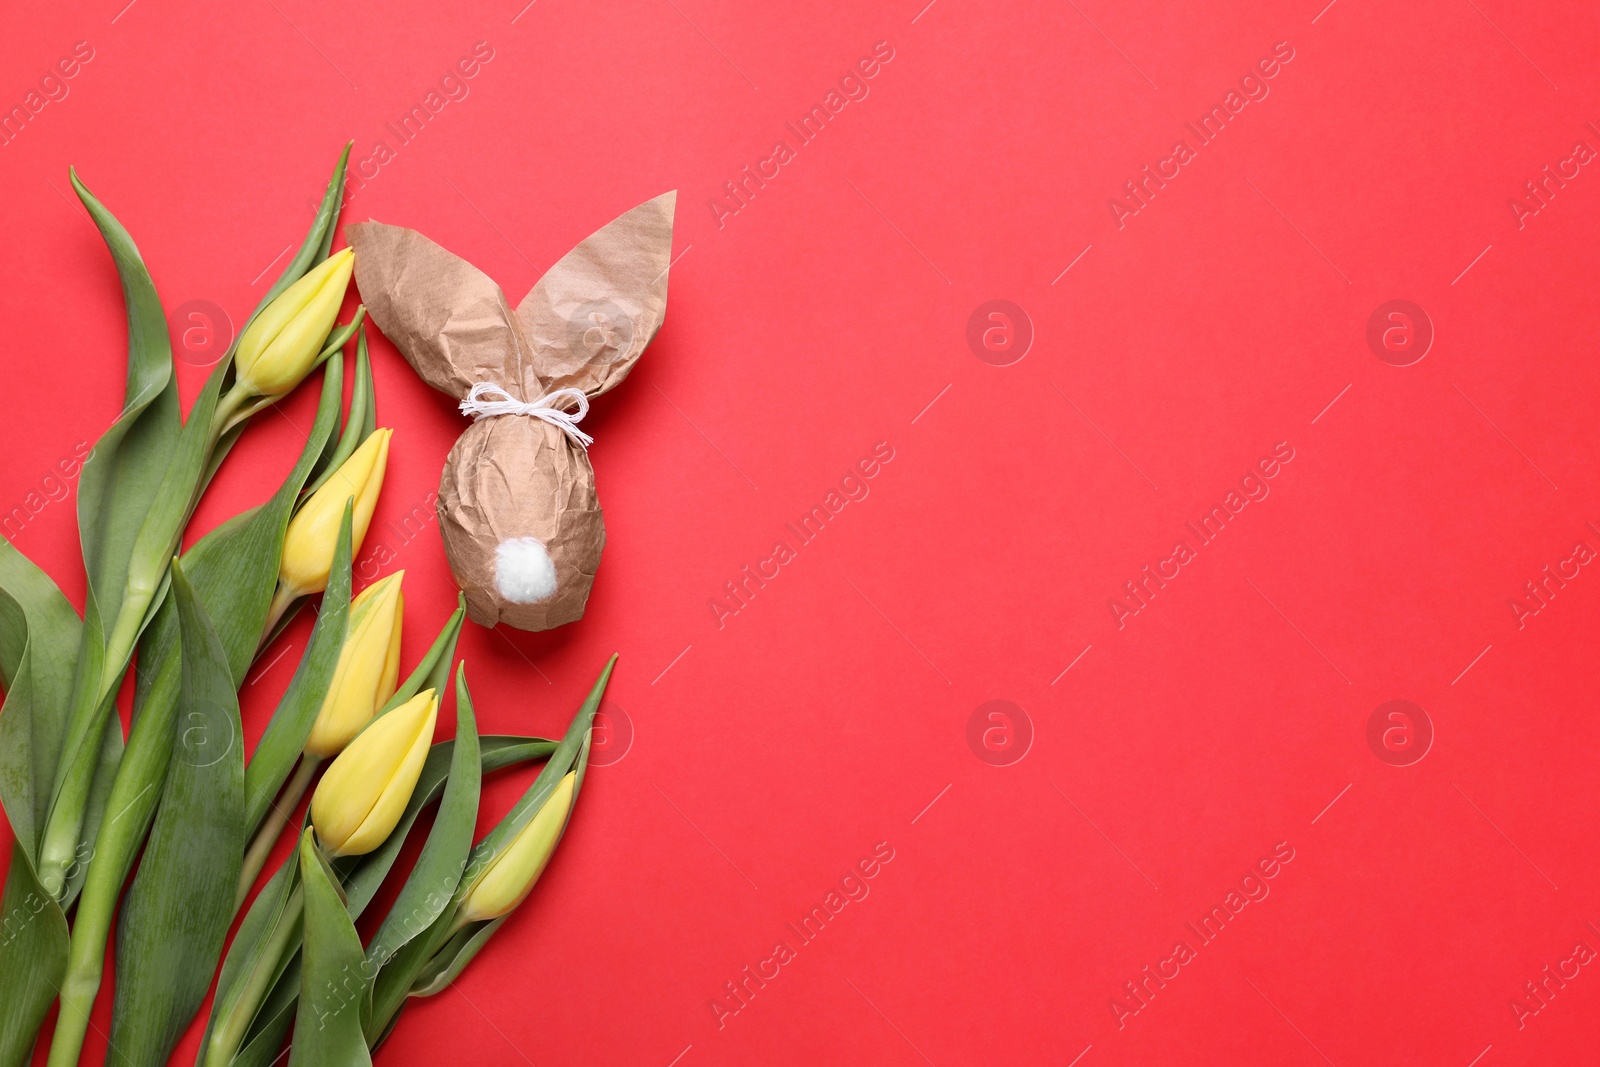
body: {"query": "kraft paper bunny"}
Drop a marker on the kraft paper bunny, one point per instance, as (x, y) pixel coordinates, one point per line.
(517, 508)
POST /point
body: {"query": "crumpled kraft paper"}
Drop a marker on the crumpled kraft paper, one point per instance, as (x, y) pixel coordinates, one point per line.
(511, 477)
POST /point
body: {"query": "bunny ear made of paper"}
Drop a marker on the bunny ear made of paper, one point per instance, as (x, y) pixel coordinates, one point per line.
(449, 319)
(592, 314)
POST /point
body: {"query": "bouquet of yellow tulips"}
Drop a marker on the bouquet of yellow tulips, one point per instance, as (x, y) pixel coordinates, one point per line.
(178, 795)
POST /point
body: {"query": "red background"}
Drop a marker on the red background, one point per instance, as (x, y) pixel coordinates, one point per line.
(775, 750)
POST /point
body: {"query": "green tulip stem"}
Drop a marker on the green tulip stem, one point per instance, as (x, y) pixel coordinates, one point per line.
(244, 1000)
(231, 410)
(283, 599)
(80, 987)
(141, 773)
(278, 816)
(457, 924)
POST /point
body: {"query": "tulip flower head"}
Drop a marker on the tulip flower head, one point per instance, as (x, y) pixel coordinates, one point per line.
(366, 789)
(512, 874)
(309, 543)
(368, 668)
(282, 343)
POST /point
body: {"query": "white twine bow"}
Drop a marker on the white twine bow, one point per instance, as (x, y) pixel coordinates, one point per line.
(551, 408)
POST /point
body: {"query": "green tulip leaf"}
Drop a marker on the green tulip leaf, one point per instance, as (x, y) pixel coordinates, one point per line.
(332, 199)
(291, 723)
(433, 670)
(443, 969)
(120, 479)
(255, 962)
(33, 957)
(572, 751)
(433, 880)
(319, 239)
(271, 1026)
(39, 638)
(125, 469)
(327, 1031)
(362, 420)
(32, 925)
(178, 909)
(369, 395)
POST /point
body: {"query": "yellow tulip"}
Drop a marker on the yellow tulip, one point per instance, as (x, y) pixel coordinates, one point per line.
(368, 668)
(308, 546)
(368, 786)
(512, 874)
(279, 346)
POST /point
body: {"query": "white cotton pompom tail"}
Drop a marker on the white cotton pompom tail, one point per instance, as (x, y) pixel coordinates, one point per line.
(523, 572)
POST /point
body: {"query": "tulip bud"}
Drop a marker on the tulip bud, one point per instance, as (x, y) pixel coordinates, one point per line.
(368, 668)
(366, 789)
(511, 875)
(279, 346)
(309, 543)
